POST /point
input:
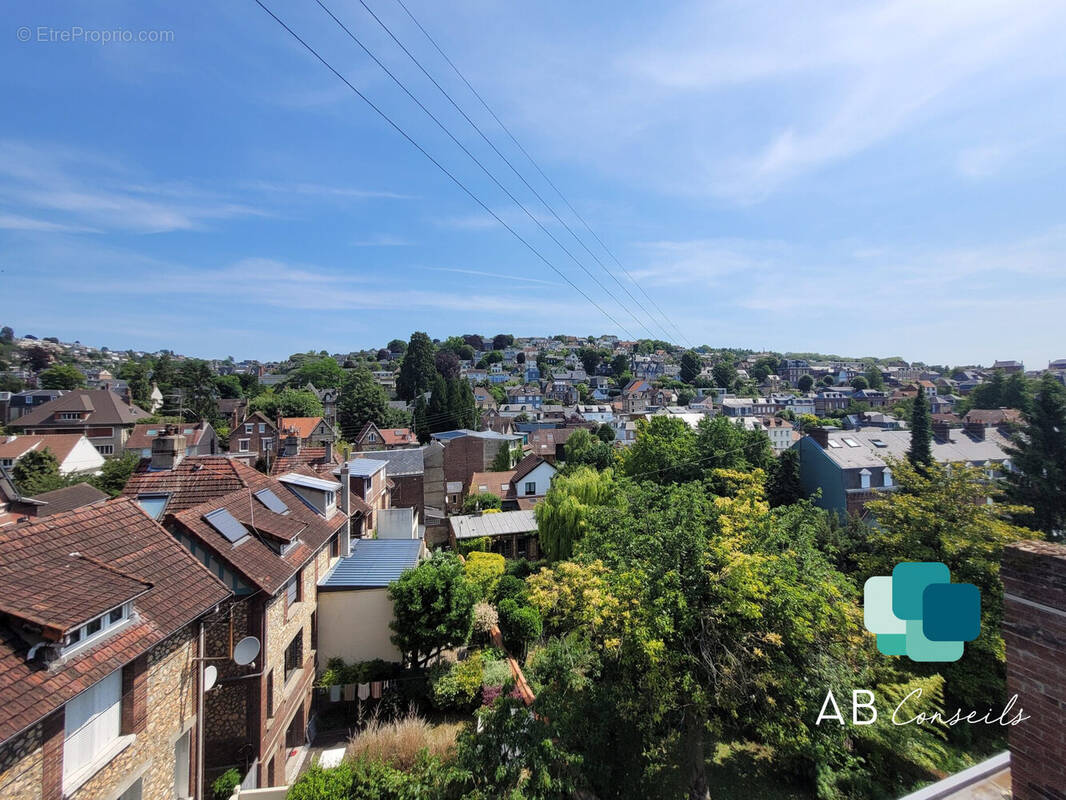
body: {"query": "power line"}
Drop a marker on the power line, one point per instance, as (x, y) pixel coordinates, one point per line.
(515, 170)
(438, 165)
(536, 166)
(472, 157)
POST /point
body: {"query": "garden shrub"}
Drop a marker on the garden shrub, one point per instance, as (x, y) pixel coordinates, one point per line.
(496, 673)
(456, 686)
(319, 783)
(485, 618)
(399, 743)
(520, 625)
(510, 586)
(483, 570)
(225, 783)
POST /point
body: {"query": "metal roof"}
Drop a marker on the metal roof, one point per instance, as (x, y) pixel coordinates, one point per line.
(472, 526)
(374, 563)
(408, 461)
(307, 481)
(364, 467)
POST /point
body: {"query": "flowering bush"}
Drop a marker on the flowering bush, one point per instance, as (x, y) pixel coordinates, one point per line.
(485, 618)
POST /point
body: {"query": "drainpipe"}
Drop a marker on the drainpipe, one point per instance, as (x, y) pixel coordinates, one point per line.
(200, 717)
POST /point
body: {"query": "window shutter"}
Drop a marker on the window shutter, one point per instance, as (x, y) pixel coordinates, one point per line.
(135, 696)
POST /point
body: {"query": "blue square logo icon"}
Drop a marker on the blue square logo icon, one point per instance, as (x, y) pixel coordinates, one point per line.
(951, 612)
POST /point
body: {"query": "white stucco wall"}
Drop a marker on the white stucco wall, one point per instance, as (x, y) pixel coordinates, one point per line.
(354, 625)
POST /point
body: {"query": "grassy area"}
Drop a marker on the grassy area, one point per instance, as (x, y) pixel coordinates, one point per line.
(739, 771)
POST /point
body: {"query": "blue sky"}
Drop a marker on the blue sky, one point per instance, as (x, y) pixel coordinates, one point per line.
(864, 178)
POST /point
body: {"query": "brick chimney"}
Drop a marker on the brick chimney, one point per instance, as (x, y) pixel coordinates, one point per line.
(168, 449)
(975, 429)
(820, 435)
(329, 452)
(941, 430)
(290, 445)
(1034, 630)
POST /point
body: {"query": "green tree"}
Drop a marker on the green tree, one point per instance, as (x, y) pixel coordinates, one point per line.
(37, 471)
(199, 394)
(619, 365)
(724, 373)
(940, 514)
(562, 514)
(583, 448)
(503, 460)
(7, 335)
(783, 487)
(321, 372)
(115, 474)
(664, 452)
(418, 369)
(420, 421)
(860, 382)
(361, 400)
(920, 452)
(61, 376)
(1038, 458)
(690, 366)
(874, 377)
(397, 346)
(605, 433)
(590, 358)
(286, 403)
(433, 609)
(805, 383)
(481, 501)
(502, 340)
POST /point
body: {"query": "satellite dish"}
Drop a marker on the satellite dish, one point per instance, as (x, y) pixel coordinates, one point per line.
(210, 676)
(246, 651)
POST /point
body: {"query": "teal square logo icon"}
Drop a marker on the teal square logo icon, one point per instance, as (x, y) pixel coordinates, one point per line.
(918, 612)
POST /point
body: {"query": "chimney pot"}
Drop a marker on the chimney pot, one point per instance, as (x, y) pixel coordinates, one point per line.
(168, 449)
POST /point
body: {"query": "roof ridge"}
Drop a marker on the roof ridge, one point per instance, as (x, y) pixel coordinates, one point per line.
(104, 565)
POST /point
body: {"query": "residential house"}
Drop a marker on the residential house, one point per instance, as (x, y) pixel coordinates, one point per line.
(66, 498)
(550, 443)
(311, 431)
(484, 399)
(100, 616)
(875, 398)
(369, 491)
(356, 588)
(625, 431)
(737, 407)
(269, 540)
(522, 487)
(371, 437)
(21, 403)
(328, 397)
(99, 415)
(493, 420)
(467, 451)
(849, 466)
(635, 396)
(254, 437)
(993, 417)
(406, 472)
(200, 438)
(233, 410)
(72, 450)
(830, 400)
(528, 395)
(511, 533)
(780, 431)
(873, 419)
(595, 413)
(1009, 367)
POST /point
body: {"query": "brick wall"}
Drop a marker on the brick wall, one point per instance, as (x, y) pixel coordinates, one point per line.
(1034, 629)
(469, 454)
(409, 493)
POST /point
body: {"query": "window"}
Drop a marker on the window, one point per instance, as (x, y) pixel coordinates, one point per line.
(248, 428)
(864, 479)
(262, 427)
(69, 415)
(373, 437)
(335, 547)
(181, 766)
(294, 655)
(105, 449)
(6, 462)
(95, 628)
(531, 487)
(851, 443)
(93, 721)
(834, 443)
(242, 445)
(268, 444)
(153, 504)
(887, 476)
(270, 697)
(294, 590)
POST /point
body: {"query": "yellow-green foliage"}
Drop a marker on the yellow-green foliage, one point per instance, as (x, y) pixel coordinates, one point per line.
(561, 516)
(573, 596)
(457, 686)
(484, 570)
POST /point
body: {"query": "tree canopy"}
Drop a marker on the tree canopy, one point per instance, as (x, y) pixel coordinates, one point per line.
(433, 609)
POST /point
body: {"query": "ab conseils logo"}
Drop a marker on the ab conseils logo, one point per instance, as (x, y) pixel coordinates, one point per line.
(919, 613)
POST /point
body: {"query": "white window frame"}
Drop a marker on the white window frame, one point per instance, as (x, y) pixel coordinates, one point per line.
(105, 449)
(886, 476)
(249, 428)
(262, 427)
(93, 731)
(243, 445)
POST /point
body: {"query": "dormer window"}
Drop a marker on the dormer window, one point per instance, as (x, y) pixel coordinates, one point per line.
(71, 415)
(96, 628)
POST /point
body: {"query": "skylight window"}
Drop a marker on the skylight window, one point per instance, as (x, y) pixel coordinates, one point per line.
(878, 443)
(153, 504)
(225, 523)
(272, 501)
(835, 444)
(851, 443)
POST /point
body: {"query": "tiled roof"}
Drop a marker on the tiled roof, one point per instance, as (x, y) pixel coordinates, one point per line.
(253, 557)
(313, 458)
(124, 538)
(993, 416)
(408, 461)
(374, 563)
(526, 466)
(497, 483)
(69, 498)
(398, 436)
(143, 433)
(194, 480)
(301, 426)
(61, 444)
(104, 407)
